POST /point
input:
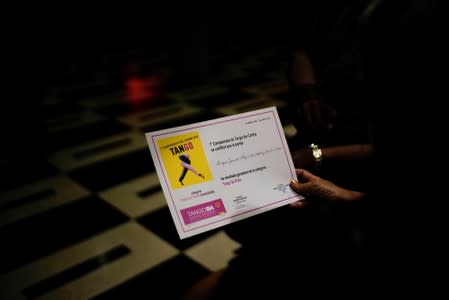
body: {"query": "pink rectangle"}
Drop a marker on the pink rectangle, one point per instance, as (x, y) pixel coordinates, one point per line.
(203, 211)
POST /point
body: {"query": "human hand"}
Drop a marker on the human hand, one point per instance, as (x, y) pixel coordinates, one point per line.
(313, 187)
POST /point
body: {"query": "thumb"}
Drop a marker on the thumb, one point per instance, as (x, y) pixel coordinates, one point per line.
(302, 189)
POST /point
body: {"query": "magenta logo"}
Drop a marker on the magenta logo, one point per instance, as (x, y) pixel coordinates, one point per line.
(203, 211)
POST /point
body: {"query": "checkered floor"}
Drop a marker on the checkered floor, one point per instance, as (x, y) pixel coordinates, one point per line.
(90, 220)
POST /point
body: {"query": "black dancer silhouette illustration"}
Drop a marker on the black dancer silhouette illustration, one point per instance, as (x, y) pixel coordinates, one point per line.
(186, 164)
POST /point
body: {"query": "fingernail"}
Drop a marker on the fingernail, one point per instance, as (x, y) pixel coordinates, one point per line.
(297, 204)
(293, 181)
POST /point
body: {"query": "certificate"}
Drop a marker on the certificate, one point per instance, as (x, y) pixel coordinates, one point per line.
(220, 171)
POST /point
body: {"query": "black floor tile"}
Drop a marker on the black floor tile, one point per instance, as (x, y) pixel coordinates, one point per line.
(169, 280)
(75, 272)
(89, 91)
(84, 134)
(124, 108)
(60, 109)
(114, 171)
(232, 96)
(245, 82)
(21, 171)
(180, 122)
(50, 231)
(33, 198)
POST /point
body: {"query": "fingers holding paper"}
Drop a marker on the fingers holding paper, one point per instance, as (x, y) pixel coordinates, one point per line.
(313, 187)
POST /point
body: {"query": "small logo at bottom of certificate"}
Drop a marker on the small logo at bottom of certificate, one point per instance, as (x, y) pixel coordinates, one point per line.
(203, 211)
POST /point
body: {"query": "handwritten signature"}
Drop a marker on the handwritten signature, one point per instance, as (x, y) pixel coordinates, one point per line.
(245, 156)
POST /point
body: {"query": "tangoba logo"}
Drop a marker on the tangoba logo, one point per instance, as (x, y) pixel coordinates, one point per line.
(200, 211)
(203, 211)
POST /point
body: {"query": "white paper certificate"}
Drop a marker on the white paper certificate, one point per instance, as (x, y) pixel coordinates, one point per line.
(224, 170)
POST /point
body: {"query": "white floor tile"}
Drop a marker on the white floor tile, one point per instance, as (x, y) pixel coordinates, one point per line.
(215, 252)
(125, 197)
